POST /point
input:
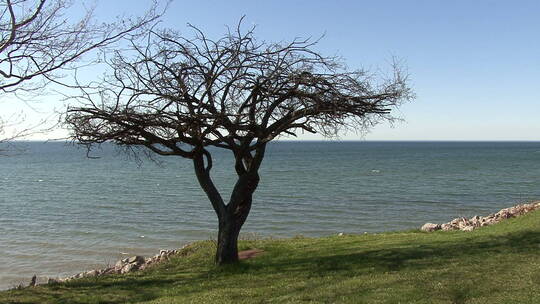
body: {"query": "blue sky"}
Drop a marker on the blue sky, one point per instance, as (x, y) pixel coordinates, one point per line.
(474, 65)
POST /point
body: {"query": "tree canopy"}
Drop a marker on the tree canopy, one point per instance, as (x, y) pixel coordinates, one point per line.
(178, 95)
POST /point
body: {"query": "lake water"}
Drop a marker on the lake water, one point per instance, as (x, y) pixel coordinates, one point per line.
(62, 213)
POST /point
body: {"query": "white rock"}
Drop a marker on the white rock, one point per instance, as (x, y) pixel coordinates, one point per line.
(91, 273)
(428, 227)
(128, 268)
(137, 259)
(120, 264)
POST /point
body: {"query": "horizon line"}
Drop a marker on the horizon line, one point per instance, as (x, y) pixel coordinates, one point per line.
(330, 140)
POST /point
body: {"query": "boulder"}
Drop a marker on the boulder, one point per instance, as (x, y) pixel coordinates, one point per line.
(505, 214)
(137, 259)
(109, 270)
(91, 273)
(463, 224)
(447, 227)
(476, 220)
(128, 268)
(121, 263)
(428, 227)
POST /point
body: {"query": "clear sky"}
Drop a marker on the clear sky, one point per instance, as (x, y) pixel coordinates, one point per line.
(474, 65)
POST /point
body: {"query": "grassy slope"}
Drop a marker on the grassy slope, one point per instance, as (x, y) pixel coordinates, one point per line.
(496, 264)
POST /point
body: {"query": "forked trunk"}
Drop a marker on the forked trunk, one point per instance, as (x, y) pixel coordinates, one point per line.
(233, 215)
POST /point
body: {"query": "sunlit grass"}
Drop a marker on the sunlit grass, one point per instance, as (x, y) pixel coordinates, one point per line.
(495, 264)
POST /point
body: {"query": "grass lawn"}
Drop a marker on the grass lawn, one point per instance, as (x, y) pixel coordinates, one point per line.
(495, 264)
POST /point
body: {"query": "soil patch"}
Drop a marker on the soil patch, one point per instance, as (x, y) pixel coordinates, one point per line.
(248, 254)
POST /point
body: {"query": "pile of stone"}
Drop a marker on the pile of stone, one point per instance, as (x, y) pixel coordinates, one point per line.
(476, 221)
(126, 265)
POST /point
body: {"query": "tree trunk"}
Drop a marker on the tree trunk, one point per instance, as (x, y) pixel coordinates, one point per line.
(229, 229)
(233, 215)
(227, 247)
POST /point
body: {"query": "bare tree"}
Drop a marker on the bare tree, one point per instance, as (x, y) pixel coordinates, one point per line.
(38, 43)
(179, 96)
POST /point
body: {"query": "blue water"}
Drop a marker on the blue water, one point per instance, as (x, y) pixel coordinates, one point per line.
(61, 212)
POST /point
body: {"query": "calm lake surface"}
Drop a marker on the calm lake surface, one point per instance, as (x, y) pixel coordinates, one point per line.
(62, 213)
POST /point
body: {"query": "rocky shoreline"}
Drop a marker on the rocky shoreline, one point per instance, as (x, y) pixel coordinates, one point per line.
(126, 265)
(465, 224)
(123, 266)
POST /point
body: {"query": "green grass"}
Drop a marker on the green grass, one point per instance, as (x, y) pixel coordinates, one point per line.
(496, 264)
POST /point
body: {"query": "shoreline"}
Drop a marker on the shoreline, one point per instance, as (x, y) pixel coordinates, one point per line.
(135, 263)
(408, 266)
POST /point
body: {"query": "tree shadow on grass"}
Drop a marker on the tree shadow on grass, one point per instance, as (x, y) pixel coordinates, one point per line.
(412, 257)
(415, 255)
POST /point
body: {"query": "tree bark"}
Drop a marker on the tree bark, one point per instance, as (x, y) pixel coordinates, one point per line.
(227, 247)
(229, 230)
